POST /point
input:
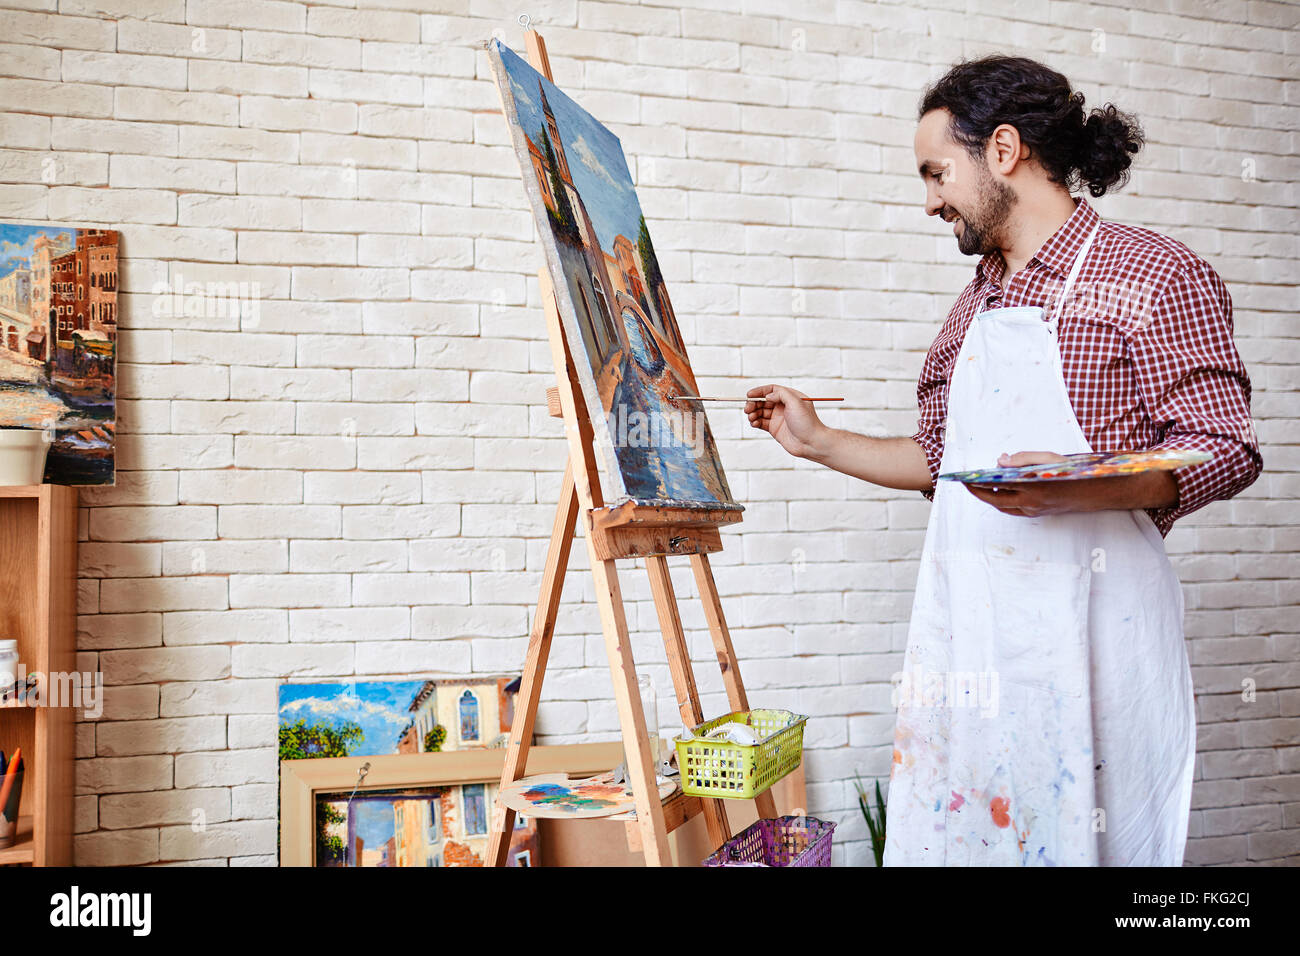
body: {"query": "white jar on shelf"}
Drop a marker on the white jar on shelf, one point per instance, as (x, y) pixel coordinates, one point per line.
(22, 455)
(8, 670)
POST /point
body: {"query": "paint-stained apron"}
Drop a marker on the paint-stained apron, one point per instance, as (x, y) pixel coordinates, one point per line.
(1045, 712)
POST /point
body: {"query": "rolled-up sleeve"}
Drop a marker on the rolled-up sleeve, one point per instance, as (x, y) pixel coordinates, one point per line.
(1197, 391)
(932, 401)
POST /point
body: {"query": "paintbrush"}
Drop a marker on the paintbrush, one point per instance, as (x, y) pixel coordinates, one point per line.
(730, 398)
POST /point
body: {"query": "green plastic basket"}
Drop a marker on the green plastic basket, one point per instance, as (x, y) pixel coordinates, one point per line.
(720, 768)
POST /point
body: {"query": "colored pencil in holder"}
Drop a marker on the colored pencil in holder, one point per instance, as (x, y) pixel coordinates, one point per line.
(11, 789)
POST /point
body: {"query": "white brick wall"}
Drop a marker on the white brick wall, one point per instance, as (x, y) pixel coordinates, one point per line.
(357, 479)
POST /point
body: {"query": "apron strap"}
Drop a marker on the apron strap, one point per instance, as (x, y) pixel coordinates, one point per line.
(1063, 298)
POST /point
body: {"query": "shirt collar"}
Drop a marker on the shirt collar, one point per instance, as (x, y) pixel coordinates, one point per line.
(1058, 252)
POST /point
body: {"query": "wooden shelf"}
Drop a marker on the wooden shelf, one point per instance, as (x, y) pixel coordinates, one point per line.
(24, 848)
(679, 808)
(22, 491)
(38, 608)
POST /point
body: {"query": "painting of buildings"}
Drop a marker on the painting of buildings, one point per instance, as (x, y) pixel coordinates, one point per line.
(458, 715)
(430, 826)
(611, 295)
(58, 343)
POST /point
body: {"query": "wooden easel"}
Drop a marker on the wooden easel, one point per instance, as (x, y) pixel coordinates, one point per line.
(626, 531)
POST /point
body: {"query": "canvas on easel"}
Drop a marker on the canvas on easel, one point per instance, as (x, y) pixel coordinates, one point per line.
(612, 298)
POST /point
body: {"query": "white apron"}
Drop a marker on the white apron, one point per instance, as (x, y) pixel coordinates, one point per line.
(1045, 709)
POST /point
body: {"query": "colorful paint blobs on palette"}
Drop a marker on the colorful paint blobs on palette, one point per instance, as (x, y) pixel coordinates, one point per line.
(611, 296)
(556, 795)
(576, 798)
(1086, 465)
(58, 345)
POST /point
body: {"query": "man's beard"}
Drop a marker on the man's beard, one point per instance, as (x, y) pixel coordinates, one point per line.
(982, 233)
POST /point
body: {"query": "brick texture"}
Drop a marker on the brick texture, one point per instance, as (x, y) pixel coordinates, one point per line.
(350, 473)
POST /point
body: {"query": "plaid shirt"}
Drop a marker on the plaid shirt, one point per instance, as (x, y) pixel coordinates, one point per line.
(1146, 345)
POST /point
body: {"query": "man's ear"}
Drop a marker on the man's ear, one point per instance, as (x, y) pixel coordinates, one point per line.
(1005, 151)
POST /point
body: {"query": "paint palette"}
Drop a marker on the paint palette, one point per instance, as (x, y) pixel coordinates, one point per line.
(557, 795)
(1086, 465)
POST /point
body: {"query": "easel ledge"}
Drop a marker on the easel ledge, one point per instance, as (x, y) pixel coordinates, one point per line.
(627, 530)
(637, 530)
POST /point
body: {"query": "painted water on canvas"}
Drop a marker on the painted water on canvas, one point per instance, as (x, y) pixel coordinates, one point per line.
(58, 328)
(611, 295)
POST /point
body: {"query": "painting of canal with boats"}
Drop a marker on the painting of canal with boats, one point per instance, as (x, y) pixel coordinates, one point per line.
(58, 342)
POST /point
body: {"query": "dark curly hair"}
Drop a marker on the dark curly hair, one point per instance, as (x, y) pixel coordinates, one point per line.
(1076, 148)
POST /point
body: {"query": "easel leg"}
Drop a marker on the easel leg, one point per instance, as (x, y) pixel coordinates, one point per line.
(613, 623)
(726, 655)
(539, 647)
(631, 718)
(679, 663)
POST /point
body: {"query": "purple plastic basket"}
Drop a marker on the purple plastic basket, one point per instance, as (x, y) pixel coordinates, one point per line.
(784, 841)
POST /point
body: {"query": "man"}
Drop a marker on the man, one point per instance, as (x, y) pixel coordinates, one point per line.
(1046, 712)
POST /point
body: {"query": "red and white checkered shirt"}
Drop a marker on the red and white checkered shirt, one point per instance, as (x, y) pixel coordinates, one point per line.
(1146, 345)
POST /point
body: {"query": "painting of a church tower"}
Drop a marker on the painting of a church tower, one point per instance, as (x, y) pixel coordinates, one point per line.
(611, 295)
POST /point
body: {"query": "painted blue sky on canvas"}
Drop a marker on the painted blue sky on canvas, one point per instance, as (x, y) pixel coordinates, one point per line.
(380, 707)
(375, 822)
(596, 159)
(16, 243)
